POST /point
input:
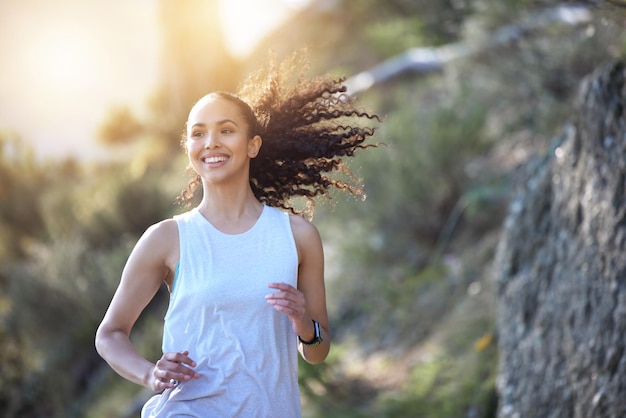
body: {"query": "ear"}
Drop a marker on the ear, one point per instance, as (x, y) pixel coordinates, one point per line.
(254, 145)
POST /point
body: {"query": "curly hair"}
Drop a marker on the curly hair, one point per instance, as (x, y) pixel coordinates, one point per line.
(306, 130)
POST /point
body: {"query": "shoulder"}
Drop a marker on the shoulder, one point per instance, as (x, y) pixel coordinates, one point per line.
(160, 242)
(306, 236)
(163, 230)
(302, 229)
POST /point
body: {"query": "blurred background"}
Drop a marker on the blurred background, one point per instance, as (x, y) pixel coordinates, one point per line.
(93, 99)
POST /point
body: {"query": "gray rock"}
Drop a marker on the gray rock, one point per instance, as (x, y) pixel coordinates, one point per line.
(561, 269)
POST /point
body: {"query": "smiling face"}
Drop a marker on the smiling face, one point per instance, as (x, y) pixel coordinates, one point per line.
(218, 142)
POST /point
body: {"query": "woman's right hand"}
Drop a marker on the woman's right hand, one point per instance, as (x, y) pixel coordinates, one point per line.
(171, 369)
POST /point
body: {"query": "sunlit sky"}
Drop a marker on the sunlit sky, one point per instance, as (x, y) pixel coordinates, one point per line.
(64, 64)
(252, 19)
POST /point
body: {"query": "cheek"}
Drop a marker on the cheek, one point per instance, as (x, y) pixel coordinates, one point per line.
(191, 147)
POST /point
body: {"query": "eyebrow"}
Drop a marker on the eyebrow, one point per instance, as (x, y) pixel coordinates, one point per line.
(219, 122)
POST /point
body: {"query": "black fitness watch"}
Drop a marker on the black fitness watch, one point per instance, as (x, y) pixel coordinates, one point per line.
(318, 336)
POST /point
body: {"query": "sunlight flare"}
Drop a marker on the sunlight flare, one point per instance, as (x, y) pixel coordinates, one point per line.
(63, 58)
(246, 22)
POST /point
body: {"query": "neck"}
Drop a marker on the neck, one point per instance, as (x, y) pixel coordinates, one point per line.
(229, 205)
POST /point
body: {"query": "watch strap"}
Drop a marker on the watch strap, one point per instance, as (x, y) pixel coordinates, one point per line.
(316, 340)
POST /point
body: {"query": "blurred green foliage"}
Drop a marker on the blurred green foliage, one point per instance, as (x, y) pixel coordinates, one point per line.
(67, 231)
(409, 290)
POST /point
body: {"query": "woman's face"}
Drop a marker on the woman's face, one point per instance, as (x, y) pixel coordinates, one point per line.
(217, 142)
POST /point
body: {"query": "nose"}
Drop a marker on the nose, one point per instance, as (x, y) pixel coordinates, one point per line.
(211, 140)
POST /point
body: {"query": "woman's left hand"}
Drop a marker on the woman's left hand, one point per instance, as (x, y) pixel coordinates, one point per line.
(292, 303)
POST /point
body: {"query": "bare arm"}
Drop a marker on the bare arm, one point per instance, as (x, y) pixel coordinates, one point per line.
(308, 301)
(151, 262)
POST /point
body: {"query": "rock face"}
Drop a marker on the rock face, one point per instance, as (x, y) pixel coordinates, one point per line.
(561, 269)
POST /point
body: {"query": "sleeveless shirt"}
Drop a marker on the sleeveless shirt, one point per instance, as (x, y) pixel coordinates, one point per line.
(246, 352)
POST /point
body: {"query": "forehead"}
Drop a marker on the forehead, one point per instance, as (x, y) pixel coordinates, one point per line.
(210, 109)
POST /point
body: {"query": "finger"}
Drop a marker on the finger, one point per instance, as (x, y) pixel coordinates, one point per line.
(293, 310)
(287, 301)
(281, 286)
(294, 302)
(161, 385)
(181, 373)
(288, 311)
(286, 292)
(176, 366)
(285, 298)
(180, 357)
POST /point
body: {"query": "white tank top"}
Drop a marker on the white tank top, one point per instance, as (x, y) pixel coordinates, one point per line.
(246, 352)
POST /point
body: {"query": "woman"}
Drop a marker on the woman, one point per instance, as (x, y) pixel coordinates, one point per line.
(245, 279)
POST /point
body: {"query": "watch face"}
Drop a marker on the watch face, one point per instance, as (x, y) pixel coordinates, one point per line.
(316, 325)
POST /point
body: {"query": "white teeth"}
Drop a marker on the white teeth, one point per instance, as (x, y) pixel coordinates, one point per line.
(216, 159)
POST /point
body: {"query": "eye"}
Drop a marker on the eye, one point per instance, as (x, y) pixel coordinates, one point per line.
(227, 131)
(197, 134)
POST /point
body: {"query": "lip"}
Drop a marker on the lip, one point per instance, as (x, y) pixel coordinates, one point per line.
(213, 160)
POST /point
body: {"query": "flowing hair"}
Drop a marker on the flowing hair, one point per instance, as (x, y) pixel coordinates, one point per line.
(307, 127)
